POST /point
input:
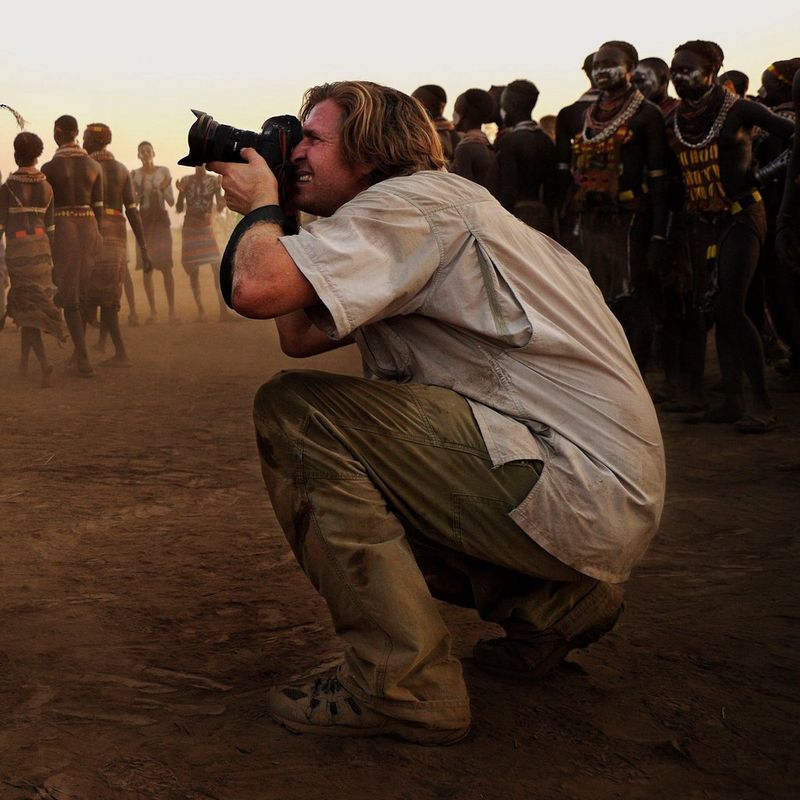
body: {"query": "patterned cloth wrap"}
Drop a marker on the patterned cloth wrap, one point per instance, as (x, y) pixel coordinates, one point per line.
(105, 287)
(30, 298)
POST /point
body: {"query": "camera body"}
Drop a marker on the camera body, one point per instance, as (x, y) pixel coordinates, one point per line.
(211, 141)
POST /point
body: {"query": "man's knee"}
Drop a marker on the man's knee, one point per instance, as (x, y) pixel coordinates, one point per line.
(281, 398)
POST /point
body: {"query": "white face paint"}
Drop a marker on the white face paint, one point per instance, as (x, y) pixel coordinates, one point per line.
(692, 76)
(690, 83)
(644, 79)
(608, 77)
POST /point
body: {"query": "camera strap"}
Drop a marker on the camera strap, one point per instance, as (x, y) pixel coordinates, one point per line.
(272, 213)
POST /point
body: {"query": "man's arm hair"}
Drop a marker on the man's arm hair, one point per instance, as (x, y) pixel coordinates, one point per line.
(266, 282)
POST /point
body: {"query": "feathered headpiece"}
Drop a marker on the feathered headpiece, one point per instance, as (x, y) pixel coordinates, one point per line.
(17, 116)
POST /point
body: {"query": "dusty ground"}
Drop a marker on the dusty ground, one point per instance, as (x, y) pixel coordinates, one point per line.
(148, 599)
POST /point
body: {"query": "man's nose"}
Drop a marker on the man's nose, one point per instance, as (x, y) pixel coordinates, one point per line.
(299, 151)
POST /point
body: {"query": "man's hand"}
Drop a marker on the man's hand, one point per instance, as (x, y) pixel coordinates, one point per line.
(247, 186)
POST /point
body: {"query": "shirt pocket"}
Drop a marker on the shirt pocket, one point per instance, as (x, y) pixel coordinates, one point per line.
(512, 327)
(385, 355)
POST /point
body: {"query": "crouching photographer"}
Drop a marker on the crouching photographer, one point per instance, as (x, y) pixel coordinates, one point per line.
(501, 451)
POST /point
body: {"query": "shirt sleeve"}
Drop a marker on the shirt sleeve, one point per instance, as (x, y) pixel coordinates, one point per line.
(371, 260)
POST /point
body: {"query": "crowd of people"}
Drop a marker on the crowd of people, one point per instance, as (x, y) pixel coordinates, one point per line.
(674, 214)
(670, 202)
(66, 245)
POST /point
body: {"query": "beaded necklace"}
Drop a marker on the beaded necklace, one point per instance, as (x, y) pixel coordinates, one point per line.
(608, 129)
(102, 155)
(716, 125)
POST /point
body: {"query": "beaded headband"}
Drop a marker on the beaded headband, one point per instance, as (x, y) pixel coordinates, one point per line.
(782, 78)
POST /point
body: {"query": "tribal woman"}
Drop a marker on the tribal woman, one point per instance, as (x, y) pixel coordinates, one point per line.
(200, 196)
(26, 218)
(618, 168)
(153, 187)
(711, 134)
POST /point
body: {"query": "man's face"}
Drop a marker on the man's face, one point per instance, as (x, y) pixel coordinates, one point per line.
(324, 179)
(146, 154)
(691, 75)
(610, 69)
(645, 80)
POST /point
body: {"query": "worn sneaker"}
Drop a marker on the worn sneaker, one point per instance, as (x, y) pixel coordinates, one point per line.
(536, 653)
(326, 707)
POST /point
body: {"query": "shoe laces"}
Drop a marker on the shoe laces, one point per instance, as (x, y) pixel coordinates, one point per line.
(329, 690)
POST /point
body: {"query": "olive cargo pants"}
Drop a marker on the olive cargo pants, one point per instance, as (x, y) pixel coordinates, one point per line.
(387, 496)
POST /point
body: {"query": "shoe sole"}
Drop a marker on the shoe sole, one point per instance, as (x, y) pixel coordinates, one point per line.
(398, 730)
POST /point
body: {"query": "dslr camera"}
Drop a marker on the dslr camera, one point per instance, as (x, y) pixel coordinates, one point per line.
(211, 141)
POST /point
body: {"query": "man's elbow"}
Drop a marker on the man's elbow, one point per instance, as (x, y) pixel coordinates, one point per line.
(248, 304)
(295, 347)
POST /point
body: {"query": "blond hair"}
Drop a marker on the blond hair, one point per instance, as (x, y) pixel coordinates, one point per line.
(381, 127)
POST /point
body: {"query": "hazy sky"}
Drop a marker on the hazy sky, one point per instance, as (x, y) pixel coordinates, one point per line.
(140, 67)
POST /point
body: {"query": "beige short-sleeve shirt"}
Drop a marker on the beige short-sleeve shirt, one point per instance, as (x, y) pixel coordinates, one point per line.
(440, 285)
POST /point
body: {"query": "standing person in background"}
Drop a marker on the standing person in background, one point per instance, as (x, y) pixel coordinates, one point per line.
(569, 122)
(474, 156)
(782, 291)
(153, 187)
(434, 99)
(711, 134)
(787, 227)
(651, 77)
(619, 170)
(671, 282)
(200, 196)
(526, 160)
(735, 82)
(26, 218)
(109, 271)
(77, 182)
